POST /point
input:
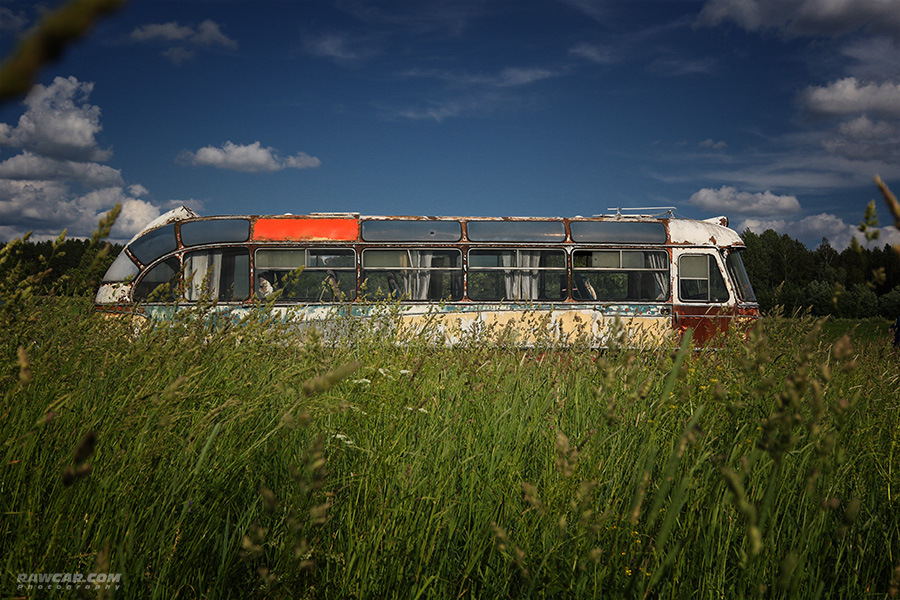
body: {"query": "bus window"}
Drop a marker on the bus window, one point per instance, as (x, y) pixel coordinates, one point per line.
(412, 274)
(154, 244)
(620, 275)
(307, 274)
(159, 284)
(739, 276)
(517, 275)
(700, 280)
(217, 275)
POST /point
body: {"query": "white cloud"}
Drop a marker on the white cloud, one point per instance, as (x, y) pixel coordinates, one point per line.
(848, 96)
(864, 139)
(170, 32)
(806, 17)
(711, 143)
(48, 207)
(182, 40)
(135, 215)
(823, 225)
(207, 33)
(57, 181)
(252, 158)
(730, 200)
(58, 122)
(32, 166)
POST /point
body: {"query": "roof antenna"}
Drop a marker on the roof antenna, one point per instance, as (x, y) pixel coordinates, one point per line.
(665, 209)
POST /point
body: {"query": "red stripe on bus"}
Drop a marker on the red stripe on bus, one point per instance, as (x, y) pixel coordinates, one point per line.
(306, 229)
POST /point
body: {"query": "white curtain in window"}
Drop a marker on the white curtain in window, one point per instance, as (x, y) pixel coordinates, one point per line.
(508, 259)
(203, 268)
(661, 277)
(529, 280)
(421, 260)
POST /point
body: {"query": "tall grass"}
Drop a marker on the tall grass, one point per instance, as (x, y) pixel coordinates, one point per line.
(252, 460)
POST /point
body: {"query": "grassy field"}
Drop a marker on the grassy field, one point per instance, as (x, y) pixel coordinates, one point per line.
(230, 462)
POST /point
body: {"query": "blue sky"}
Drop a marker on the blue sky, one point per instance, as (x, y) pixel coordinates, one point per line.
(776, 113)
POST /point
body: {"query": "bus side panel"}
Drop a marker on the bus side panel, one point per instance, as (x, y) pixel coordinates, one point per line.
(709, 321)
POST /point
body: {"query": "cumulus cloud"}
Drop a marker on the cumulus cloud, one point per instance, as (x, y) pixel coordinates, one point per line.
(252, 158)
(871, 118)
(58, 122)
(865, 139)
(729, 199)
(57, 180)
(823, 225)
(848, 96)
(183, 40)
(806, 17)
(48, 207)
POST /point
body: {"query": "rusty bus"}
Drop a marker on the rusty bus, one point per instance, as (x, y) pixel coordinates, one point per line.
(649, 276)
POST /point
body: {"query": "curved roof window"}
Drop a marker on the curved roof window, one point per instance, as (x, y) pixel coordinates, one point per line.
(195, 233)
(154, 244)
(122, 269)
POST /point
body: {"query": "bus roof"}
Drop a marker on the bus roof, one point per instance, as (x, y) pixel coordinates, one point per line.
(352, 227)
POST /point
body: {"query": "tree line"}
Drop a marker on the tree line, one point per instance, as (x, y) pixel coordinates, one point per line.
(854, 283)
(64, 267)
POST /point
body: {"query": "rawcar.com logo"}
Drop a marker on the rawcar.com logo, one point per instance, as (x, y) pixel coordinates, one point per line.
(68, 581)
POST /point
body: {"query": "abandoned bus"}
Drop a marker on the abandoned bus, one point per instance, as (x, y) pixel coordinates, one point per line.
(649, 276)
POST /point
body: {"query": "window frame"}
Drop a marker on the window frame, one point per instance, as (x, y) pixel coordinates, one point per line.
(348, 251)
(711, 258)
(395, 293)
(518, 270)
(665, 272)
(188, 291)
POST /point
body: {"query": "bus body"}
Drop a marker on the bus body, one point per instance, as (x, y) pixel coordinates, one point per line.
(642, 277)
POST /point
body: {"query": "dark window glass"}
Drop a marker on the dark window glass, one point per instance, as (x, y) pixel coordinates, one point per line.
(154, 244)
(306, 274)
(620, 275)
(617, 232)
(195, 233)
(411, 231)
(416, 275)
(516, 231)
(700, 280)
(159, 284)
(739, 277)
(122, 269)
(517, 275)
(221, 275)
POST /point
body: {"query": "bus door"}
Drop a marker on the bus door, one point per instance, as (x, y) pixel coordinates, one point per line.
(702, 299)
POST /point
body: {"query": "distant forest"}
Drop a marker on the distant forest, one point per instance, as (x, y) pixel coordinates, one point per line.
(853, 283)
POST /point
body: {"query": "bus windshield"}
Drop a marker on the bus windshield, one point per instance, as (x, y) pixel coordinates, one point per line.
(739, 276)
